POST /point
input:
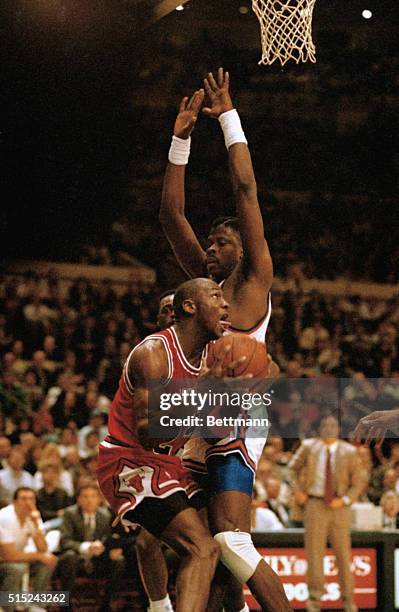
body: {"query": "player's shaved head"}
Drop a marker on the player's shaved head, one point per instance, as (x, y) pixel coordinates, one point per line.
(190, 290)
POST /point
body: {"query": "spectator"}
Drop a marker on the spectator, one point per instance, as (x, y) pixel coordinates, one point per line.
(263, 519)
(389, 503)
(13, 401)
(96, 425)
(51, 454)
(273, 501)
(20, 521)
(51, 498)
(32, 390)
(5, 449)
(85, 529)
(68, 438)
(14, 476)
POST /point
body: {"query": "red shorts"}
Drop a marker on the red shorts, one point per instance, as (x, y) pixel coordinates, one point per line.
(127, 475)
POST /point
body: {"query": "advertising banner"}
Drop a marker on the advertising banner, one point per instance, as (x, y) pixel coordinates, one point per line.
(290, 564)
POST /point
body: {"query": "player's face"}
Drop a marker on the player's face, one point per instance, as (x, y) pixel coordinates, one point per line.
(212, 311)
(166, 313)
(223, 253)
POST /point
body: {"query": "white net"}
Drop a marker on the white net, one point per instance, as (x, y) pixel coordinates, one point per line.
(286, 30)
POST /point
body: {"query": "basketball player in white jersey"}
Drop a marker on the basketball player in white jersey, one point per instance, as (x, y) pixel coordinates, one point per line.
(238, 258)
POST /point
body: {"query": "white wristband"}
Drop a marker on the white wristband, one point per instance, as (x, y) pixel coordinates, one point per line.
(231, 126)
(179, 151)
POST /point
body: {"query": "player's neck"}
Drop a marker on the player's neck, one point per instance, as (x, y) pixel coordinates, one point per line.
(192, 341)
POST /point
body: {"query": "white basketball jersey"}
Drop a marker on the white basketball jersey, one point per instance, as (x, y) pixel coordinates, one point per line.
(258, 331)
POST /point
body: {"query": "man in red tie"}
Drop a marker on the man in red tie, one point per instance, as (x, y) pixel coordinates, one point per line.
(332, 479)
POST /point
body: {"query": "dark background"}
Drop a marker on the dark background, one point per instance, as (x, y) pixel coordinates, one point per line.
(88, 98)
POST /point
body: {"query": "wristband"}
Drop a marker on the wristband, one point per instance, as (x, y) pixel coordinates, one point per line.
(179, 151)
(231, 125)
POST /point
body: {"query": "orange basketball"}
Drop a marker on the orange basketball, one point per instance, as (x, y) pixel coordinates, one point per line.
(256, 362)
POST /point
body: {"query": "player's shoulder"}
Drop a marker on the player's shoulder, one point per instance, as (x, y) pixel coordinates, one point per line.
(149, 358)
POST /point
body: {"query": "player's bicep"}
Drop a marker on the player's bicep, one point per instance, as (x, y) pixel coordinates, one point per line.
(148, 366)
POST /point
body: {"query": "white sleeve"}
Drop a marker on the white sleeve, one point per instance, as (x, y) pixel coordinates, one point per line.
(6, 537)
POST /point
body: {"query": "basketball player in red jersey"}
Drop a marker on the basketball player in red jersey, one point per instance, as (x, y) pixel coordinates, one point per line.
(150, 558)
(238, 258)
(148, 488)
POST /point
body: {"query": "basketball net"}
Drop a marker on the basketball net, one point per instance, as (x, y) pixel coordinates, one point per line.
(286, 30)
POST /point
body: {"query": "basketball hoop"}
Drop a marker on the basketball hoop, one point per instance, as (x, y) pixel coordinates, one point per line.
(286, 30)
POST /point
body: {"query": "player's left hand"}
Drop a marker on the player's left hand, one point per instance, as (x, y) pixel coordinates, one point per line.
(218, 94)
(188, 114)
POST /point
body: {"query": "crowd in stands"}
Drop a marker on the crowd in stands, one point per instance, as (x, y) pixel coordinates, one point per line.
(61, 356)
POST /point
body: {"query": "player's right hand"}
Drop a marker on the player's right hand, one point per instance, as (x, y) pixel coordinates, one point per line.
(188, 114)
(220, 369)
(374, 426)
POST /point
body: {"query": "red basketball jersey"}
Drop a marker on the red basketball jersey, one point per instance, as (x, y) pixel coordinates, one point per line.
(122, 418)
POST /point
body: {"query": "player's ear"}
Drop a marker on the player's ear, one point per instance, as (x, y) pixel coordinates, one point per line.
(189, 306)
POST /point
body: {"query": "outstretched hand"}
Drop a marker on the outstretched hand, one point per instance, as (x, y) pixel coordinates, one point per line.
(188, 114)
(375, 425)
(218, 94)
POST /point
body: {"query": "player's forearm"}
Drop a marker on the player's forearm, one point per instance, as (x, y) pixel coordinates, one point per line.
(241, 172)
(173, 197)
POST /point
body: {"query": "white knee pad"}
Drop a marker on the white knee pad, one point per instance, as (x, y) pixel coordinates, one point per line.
(239, 554)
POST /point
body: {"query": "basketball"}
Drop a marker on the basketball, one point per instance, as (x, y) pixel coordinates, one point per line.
(256, 362)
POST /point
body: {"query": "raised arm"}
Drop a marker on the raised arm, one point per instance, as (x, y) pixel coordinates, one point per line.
(178, 230)
(257, 262)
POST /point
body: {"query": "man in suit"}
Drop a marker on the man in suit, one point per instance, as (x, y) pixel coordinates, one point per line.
(85, 530)
(331, 480)
(273, 501)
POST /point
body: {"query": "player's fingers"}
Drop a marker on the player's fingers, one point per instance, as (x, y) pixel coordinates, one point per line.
(372, 434)
(226, 80)
(381, 438)
(191, 102)
(183, 104)
(212, 82)
(220, 77)
(233, 364)
(208, 88)
(197, 100)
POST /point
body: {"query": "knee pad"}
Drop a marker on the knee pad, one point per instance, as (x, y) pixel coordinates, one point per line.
(239, 554)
